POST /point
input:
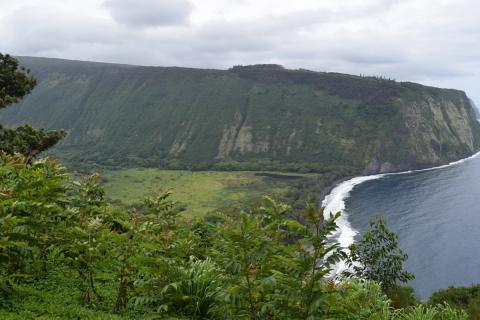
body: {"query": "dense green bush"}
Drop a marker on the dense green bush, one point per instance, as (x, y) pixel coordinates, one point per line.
(378, 257)
(66, 253)
(465, 298)
(15, 83)
(402, 296)
(32, 209)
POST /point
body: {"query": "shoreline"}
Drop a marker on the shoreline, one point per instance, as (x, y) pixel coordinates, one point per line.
(334, 202)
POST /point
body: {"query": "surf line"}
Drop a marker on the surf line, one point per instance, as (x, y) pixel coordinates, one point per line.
(335, 202)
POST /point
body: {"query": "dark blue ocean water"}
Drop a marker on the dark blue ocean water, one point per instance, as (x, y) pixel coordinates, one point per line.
(436, 215)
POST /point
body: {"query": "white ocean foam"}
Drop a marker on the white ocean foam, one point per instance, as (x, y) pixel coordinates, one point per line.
(335, 202)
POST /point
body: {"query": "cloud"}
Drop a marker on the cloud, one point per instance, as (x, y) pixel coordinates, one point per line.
(405, 40)
(37, 30)
(149, 13)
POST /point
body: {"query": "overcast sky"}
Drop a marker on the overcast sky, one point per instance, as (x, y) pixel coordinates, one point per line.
(429, 41)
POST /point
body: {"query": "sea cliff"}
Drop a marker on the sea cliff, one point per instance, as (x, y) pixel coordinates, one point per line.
(261, 117)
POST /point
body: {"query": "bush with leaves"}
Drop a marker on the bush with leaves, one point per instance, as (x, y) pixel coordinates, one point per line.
(276, 267)
(359, 300)
(423, 312)
(402, 296)
(11, 255)
(14, 80)
(140, 245)
(195, 290)
(364, 300)
(86, 239)
(378, 257)
(123, 247)
(465, 298)
(306, 279)
(15, 83)
(28, 141)
(165, 246)
(246, 249)
(32, 202)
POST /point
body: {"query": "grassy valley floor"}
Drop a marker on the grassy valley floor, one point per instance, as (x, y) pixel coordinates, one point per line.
(200, 192)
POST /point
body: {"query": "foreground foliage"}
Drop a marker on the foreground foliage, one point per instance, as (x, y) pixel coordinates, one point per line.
(467, 298)
(66, 253)
(378, 257)
(15, 83)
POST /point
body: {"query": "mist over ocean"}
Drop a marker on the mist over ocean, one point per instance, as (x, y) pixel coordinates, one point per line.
(436, 215)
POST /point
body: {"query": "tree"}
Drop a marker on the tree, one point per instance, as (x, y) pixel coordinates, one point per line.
(277, 268)
(32, 199)
(15, 83)
(86, 241)
(378, 257)
(27, 140)
(314, 259)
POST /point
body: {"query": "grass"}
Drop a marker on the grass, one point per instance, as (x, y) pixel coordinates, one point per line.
(201, 191)
(56, 296)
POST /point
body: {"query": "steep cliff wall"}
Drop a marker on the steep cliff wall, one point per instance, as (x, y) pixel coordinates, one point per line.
(257, 117)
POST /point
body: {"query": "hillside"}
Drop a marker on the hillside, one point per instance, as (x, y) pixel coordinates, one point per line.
(475, 108)
(256, 117)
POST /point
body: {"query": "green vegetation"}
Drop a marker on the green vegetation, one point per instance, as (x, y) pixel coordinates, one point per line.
(378, 257)
(467, 298)
(14, 84)
(246, 118)
(199, 192)
(65, 253)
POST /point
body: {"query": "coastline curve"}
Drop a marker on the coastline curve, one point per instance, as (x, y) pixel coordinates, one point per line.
(335, 202)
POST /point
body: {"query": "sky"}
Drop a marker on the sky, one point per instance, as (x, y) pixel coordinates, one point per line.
(434, 42)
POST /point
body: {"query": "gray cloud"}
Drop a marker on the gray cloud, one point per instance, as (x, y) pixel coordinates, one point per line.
(53, 31)
(149, 13)
(405, 40)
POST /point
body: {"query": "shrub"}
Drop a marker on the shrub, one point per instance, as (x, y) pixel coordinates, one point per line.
(402, 296)
(466, 298)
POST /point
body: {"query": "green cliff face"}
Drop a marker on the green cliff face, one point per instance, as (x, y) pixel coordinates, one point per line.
(258, 117)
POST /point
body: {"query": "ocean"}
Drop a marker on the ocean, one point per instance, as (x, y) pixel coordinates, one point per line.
(435, 213)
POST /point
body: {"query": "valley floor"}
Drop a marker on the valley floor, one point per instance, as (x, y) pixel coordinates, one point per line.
(199, 192)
